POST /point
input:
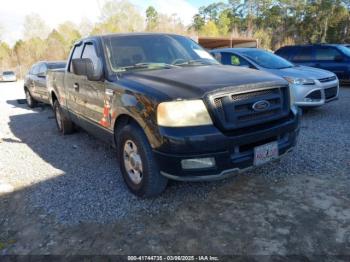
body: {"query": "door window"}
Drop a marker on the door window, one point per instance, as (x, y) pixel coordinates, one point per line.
(232, 59)
(42, 69)
(326, 54)
(90, 52)
(35, 70)
(76, 54)
(304, 54)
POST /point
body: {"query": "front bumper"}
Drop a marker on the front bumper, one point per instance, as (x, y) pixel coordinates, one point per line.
(233, 153)
(315, 95)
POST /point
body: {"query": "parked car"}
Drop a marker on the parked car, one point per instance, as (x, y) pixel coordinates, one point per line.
(35, 82)
(331, 57)
(311, 86)
(171, 110)
(8, 76)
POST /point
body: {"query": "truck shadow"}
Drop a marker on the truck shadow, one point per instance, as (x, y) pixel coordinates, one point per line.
(21, 103)
(82, 181)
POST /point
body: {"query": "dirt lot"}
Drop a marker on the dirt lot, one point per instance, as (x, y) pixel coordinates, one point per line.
(65, 195)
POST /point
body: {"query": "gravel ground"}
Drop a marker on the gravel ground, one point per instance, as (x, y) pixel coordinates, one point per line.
(67, 194)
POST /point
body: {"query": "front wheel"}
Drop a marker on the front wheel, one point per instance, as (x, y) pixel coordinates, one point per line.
(64, 124)
(30, 100)
(138, 166)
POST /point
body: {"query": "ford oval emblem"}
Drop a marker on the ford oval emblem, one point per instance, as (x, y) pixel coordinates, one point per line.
(261, 105)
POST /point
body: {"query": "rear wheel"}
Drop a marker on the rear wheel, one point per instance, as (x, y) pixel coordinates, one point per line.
(138, 166)
(64, 124)
(30, 100)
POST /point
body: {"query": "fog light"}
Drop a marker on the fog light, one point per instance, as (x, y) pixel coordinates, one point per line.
(197, 163)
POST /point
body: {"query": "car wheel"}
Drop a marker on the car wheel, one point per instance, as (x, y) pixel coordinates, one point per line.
(64, 124)
(30, 100)
(138, 166)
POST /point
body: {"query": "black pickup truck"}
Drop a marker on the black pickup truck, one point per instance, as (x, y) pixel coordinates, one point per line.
(171, 110)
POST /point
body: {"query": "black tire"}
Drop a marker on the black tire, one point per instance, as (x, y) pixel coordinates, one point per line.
(31, 102)
(64, 124)
(152, 182)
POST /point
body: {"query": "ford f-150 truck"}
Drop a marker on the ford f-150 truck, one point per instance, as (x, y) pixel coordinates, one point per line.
(171, 110)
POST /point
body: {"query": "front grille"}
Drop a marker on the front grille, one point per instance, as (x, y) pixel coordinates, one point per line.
(327, 79)
(331, 92)
(315, 95)
(234, 111)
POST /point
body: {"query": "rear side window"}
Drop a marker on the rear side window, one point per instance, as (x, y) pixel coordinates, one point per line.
(304, 54)
(326, 53)
(76, 54)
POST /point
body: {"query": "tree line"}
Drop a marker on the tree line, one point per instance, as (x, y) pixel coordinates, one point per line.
(274, 23)
(277, 23)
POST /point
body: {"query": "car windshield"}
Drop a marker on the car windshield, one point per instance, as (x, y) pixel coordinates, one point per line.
(8, 73)
(147, 52)
(267, 59)
(345, 50)
(56, 65)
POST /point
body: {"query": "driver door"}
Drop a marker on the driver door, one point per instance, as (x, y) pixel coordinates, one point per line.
(92, 92)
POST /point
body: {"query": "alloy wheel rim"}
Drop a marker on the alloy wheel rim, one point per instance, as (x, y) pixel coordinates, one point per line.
(133, 162)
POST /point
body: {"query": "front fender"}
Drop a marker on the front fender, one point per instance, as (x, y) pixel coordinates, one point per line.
(141, 109)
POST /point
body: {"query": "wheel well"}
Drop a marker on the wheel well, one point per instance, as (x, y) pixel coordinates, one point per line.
(122, 121)
(53, 97)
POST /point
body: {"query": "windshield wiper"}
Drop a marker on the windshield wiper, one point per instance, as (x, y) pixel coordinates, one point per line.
(146, 65)
(194, 62)
(284, 67)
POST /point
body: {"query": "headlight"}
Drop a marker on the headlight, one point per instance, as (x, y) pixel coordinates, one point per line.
(183, 113)
(299, 81)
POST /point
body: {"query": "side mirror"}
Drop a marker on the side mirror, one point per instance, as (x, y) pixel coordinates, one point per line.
(41, 75)
(338, 58)
(85, 67)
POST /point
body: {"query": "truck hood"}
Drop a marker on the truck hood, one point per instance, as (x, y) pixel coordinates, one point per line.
(193, 82)
(302, 72)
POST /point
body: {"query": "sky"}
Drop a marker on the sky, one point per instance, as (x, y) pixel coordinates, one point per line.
(54, 12)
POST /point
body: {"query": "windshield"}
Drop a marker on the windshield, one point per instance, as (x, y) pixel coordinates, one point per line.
(267, 59)
(345, 50)
(8, 73)
(56, 65)
(147, 52)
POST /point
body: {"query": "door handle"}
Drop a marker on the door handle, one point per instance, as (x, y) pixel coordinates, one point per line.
(76, 86)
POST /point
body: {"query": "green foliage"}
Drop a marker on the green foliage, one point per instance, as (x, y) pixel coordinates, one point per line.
(210, 29)
(272, 21)
(151, 18)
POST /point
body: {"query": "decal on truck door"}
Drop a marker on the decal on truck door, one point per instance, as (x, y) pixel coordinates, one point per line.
(106, 117)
